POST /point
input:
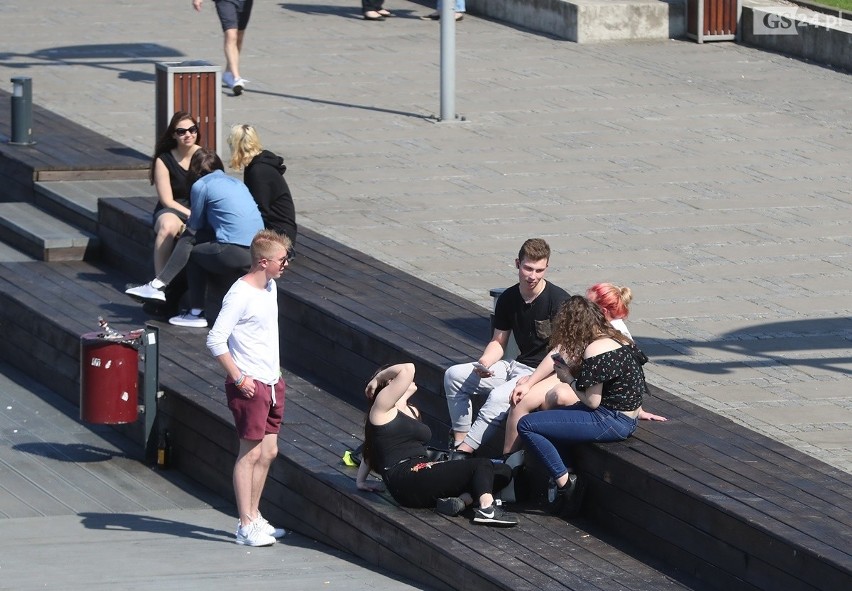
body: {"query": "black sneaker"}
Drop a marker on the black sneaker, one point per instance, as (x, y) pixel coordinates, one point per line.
(494, 515)
(459, 455)
(451, 506)
(566, 501)
(574, 504)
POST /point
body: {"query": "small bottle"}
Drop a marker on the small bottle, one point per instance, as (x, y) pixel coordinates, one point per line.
(164, 451)
(108, 331)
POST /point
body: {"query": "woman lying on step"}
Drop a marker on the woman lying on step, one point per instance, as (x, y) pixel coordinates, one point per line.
(395, 448)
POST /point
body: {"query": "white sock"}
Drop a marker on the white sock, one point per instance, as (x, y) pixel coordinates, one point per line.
(196, 311)
(157, 284)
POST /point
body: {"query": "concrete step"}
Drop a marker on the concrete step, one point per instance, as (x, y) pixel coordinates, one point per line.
(38, 234)
(591, 21)
(76, 202)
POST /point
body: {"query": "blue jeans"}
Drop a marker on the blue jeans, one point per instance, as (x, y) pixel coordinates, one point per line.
(547, 432)
(459, 6)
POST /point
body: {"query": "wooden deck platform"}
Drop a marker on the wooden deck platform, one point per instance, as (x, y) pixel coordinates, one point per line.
(63, 150)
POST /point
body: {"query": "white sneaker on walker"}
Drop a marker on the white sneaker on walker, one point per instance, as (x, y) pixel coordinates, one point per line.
(238, 86)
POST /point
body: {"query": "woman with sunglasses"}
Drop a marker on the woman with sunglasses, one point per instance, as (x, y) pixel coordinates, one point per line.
(538, 390)
(169, 168)
(603, 368)
(168, 174)
(395, 447)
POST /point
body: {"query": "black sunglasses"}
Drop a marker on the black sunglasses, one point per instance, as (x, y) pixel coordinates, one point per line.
(183, 131)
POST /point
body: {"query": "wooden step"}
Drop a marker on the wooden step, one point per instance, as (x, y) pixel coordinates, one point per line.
(64, 150)
(76, 202)
(730, 506)
(45, 307)
(40, 235)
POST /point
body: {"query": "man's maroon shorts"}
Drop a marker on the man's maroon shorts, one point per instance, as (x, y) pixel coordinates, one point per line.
(255, 417)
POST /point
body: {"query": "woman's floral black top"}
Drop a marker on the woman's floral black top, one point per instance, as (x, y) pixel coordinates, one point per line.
(620, 371)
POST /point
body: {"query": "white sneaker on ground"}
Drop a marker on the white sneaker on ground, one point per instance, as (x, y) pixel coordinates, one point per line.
(189, 319)
(238, 86)
(269, 529)
(228, 79)
(252, 535)
(146, 292)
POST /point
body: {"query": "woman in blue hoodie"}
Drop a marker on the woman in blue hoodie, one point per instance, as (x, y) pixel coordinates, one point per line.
(264, 176)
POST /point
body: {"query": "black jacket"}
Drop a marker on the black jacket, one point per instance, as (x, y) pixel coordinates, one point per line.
(264, 176)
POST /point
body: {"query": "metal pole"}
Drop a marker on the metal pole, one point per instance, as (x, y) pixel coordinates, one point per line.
(22, 111)
(448, 60)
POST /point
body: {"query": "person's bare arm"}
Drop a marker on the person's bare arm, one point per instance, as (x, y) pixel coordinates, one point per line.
(493, 352)
(388, 387)
(523, 385)
(361, 479)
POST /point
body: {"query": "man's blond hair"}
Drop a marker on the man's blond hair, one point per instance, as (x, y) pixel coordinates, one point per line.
(265, 243)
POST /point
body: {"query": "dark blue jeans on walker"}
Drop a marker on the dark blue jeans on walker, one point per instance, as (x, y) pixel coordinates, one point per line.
(546, 433)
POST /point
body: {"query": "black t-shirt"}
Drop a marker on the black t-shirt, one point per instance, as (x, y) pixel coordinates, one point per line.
(530, 323)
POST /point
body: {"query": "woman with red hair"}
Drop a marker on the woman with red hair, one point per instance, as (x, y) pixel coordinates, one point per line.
(539, 390)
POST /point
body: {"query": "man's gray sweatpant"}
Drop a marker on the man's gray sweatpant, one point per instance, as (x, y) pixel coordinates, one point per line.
(461, 384)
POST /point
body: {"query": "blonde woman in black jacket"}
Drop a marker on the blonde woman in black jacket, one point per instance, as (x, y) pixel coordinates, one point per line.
(264, 176)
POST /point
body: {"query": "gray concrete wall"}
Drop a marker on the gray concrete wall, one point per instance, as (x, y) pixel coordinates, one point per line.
(818, 37)
(590, 21)
(825, 39)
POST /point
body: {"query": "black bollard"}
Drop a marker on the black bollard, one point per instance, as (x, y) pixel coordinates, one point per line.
(22, 111)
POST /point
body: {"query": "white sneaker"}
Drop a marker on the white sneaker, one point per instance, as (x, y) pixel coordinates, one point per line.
(238, 86)
(228, 79)
(268, 528)
(252, 535)
(189, 319)
(146, 292)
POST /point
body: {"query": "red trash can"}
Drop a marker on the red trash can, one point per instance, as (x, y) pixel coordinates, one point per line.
(109, 379)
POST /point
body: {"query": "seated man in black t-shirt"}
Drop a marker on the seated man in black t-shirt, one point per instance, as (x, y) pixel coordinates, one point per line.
(524, 310)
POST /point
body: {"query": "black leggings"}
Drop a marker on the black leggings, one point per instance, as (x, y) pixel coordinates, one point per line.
(418, 483)
(227, 261)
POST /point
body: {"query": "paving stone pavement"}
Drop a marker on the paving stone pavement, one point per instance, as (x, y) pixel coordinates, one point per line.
(712, 179)
(78, 511)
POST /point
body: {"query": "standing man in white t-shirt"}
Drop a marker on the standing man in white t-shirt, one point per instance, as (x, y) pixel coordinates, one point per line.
(245, 341)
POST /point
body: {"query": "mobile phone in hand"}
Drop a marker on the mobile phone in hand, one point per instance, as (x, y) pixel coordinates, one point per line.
(481, 368)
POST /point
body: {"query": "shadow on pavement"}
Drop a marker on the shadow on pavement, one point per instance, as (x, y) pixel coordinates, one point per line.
(107, 56)
(763, 345)
(146, 523)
